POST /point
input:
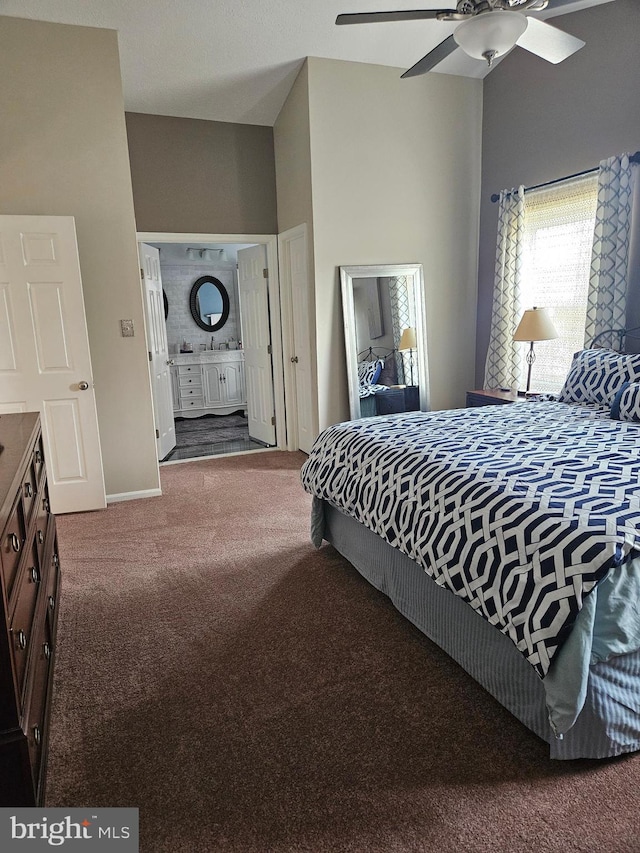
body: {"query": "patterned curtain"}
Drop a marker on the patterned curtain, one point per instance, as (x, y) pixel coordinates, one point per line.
(502, 368)
(607, 299)
(402, 317)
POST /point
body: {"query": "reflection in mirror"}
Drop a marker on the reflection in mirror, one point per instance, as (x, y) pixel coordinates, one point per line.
(209, 303)
(385, 341)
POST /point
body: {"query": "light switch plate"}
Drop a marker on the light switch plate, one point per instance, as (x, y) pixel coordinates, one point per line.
(127, 328)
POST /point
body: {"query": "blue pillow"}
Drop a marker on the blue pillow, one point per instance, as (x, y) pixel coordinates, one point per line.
(626, 403)
(596, 376)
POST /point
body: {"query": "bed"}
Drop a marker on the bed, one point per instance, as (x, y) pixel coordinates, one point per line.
(510, 536)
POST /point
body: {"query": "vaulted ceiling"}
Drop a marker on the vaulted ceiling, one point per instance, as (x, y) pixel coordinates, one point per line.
(235, 60)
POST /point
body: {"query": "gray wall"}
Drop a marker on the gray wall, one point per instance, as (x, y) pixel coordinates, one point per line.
(544, 121)
(63, 151)
(206, 177)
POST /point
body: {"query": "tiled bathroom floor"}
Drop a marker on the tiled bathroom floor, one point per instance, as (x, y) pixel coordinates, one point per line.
(211, 435)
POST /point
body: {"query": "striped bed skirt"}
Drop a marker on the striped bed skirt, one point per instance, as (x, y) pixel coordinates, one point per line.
(609, 723)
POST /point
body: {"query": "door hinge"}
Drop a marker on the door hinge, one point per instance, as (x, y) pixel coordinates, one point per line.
(273, 420)
(265, 273)
(150, 356)
(141, 273)
(269, 349)
(157, 433)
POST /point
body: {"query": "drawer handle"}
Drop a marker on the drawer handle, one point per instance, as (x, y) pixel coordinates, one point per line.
(40, 536)
(45, 504)
(52, 603)
(56, 560)
(35, 574)
(22, 640)
(28, 490)
(15, 543)
(37, 735)
(46, 648)
(38, 457)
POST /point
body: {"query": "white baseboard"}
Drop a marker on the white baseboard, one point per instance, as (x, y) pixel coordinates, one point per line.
(133, 496)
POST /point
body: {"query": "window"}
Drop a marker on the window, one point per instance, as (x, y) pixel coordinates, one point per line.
(559, 226)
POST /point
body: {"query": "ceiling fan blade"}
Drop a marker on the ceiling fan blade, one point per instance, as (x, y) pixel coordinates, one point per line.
(429, 61)
(548, 42)
(385, 17)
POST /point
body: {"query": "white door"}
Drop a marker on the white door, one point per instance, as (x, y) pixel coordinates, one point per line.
(159, 361)
(45, 363)
(294, 278)
(256, 342)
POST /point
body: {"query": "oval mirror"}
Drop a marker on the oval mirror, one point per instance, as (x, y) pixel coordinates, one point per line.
(209, 303)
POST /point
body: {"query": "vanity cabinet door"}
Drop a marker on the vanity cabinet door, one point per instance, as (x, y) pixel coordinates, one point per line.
(233, 382)
(213, 384)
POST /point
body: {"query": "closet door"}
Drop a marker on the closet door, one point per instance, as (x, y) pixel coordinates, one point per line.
(45, 364)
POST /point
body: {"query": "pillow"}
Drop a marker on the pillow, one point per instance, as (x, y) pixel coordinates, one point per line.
(596, 376)
(626, 403)
(389, 373)
(369, 371)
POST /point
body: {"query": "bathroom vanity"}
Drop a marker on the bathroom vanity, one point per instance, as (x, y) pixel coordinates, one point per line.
(208, 383)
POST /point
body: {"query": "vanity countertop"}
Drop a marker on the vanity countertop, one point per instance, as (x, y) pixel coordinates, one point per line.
(207, 355)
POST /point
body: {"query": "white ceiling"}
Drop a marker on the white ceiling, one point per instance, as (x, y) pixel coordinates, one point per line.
(235, 60)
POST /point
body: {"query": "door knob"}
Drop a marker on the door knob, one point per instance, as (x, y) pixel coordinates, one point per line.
(83, 386)
(294, 359)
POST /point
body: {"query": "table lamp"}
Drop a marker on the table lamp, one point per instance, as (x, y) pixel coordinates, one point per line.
(535, 325)
(408, 342)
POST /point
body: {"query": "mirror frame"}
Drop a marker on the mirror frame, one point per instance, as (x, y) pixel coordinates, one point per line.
(347, 275)
(209, 279)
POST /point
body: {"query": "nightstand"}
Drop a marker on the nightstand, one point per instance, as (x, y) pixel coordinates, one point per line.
(491, 397)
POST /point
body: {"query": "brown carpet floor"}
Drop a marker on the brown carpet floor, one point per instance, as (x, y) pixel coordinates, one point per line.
(251, 694)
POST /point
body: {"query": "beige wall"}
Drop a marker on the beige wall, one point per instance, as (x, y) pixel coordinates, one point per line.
(292, 142)
(396, 178)
(543, 121)
(206, 177)
(63, 151)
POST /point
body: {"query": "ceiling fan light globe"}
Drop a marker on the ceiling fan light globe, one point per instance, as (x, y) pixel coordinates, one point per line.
(492, 33)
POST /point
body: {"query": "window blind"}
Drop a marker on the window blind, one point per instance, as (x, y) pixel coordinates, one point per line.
(559, 226)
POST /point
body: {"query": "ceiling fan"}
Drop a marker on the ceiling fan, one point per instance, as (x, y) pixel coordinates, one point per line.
(487, 29)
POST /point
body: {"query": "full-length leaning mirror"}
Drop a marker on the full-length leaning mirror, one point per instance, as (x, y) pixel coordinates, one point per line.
(385, 338)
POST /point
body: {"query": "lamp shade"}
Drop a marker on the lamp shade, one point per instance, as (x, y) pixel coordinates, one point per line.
(407, 339)
(535, 325)
(490, 33)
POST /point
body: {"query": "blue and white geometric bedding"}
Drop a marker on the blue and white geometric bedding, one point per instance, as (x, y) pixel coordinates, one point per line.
(520, 509)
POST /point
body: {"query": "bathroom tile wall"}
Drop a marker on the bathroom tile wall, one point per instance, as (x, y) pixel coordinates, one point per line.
(177, 281)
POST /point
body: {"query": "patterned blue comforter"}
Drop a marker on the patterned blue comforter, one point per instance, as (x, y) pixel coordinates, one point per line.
(521, 510)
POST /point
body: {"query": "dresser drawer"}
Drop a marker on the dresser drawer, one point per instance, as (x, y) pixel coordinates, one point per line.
(185, 393)
(188, 369)
(38, 459)
(29, 493)
(190, 382)
(35, 727)
(26, 596)
(43, 516)
(13, 539)
(192, 403)
(52, 590)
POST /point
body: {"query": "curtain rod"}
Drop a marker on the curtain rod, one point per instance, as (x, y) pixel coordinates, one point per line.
(634, 158)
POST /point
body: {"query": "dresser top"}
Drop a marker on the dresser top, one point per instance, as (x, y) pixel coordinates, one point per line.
(17, 433)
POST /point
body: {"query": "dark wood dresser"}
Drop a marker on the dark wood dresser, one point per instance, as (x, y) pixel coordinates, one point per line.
(29, 608)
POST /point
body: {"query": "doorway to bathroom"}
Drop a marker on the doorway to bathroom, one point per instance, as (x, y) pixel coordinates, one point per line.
(212, 304)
